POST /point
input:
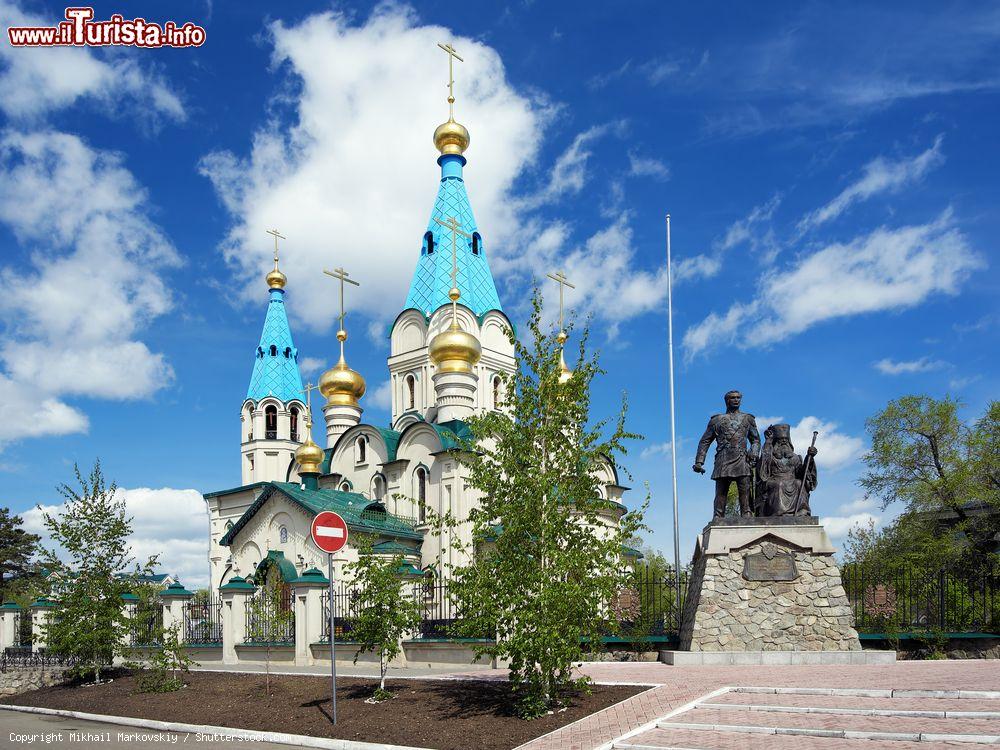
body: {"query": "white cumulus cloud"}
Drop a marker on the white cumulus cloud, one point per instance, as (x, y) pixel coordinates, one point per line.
(839, 526)
(169, 523)
(880, 176)
(83, 217)
(37, 80)
(886, 269)
(892, 367)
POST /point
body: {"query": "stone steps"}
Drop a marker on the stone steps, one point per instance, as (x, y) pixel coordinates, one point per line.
(762, 718)
(660, 739)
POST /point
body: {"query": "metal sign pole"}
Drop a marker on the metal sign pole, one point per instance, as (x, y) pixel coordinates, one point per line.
(333, 638)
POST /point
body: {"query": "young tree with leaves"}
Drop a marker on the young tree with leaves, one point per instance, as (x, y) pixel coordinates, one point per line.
(386, 609)
(545, 562)
(92, 530)
(17, 550)
(270, 614)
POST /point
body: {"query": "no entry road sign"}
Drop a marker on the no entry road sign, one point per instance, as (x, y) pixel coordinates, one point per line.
(329, 531)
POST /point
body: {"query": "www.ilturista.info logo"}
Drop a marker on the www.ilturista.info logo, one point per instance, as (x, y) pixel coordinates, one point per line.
(80, 30)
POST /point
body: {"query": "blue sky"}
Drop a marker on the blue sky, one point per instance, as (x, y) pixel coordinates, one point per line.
(830, 171)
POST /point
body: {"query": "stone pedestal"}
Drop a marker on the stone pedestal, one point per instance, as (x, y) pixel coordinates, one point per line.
(766, 585)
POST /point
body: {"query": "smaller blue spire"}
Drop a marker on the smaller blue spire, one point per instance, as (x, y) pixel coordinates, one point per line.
(276, 360)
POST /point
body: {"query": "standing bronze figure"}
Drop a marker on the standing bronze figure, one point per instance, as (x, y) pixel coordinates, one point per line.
(733, 461)
(784, 478)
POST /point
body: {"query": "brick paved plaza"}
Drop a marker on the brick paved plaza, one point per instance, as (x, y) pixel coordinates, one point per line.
(677, 686)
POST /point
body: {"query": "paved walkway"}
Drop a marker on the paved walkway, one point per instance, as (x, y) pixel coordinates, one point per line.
(677, 686)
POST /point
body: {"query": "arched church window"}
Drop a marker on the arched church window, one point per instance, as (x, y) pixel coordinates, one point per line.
(270, 422)
(422, 495)
(429, 242)
(477, 243)
(260, 353)
(362, 454)
(288, 352)
(345, 486)
(283, 535)
(496, 391)
(294, 422)
(229, 526)
(411, 392)
(378, 487)
(274, 350)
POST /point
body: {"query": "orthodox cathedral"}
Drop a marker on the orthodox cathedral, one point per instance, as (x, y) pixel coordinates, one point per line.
(448, 347)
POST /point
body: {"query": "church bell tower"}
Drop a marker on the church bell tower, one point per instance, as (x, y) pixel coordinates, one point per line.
(273, 417)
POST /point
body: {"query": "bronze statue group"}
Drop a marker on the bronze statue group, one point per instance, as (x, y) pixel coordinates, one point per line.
(775, 481)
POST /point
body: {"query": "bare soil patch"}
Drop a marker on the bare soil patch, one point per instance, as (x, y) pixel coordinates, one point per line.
(441, 714)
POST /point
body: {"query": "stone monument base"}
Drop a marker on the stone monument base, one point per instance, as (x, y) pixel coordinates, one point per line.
(762, 586)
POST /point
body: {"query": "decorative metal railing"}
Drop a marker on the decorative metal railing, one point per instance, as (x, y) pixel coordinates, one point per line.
(145, 624)
(12, 659)
(902, 599)
(346, 611)
(203, 623)
(270, 616)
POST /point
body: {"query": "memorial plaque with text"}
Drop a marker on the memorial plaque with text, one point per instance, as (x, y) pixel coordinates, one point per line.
(775, 567)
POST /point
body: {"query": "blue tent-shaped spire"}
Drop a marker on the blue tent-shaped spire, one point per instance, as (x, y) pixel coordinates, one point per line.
(276, 360)
(432, 279)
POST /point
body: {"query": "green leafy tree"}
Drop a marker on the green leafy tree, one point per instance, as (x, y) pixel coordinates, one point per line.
(17, 551)
(545, 560)
(91, 531)
(164, 669)
(271, 615)
(944, 472)
(385, 608)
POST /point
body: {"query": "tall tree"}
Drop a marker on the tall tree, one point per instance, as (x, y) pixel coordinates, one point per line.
(91, 530)
(17, 550)
(945, 473)
(545, 561)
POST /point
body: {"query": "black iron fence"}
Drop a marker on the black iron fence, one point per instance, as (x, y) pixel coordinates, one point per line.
(650, 605)
(203, 623)
(907, 599)
(270, 616)
(145, 624)
(12, 659)
(345, 600)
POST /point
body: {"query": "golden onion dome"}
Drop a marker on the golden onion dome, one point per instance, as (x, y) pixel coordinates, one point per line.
(276, 279)
(451, 137)
(340, 384)
(454, 350)
(564, 372)
(309, 456)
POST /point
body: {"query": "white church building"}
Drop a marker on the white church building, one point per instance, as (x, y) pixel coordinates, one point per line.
(448, 346)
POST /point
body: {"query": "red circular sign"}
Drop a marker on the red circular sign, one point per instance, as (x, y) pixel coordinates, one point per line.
(329, 531)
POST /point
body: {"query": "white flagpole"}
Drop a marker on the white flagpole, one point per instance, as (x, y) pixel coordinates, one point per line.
(673, 431)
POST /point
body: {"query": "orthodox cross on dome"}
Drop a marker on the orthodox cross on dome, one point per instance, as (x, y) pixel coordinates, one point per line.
(277, 235)
(560, 278)
(454, 293)
(342, 276)
(308, 391)
(452, 56)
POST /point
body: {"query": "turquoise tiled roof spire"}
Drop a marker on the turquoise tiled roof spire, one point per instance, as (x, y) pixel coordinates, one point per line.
(432, 279)
(276, 360)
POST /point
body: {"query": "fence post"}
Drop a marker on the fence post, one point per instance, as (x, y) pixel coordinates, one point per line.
(41, 610)
(308, 592)
(174, 597)
(9, 612)
(234, 607)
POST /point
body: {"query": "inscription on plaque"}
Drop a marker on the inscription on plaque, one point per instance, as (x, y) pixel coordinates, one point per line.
(770, 565)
